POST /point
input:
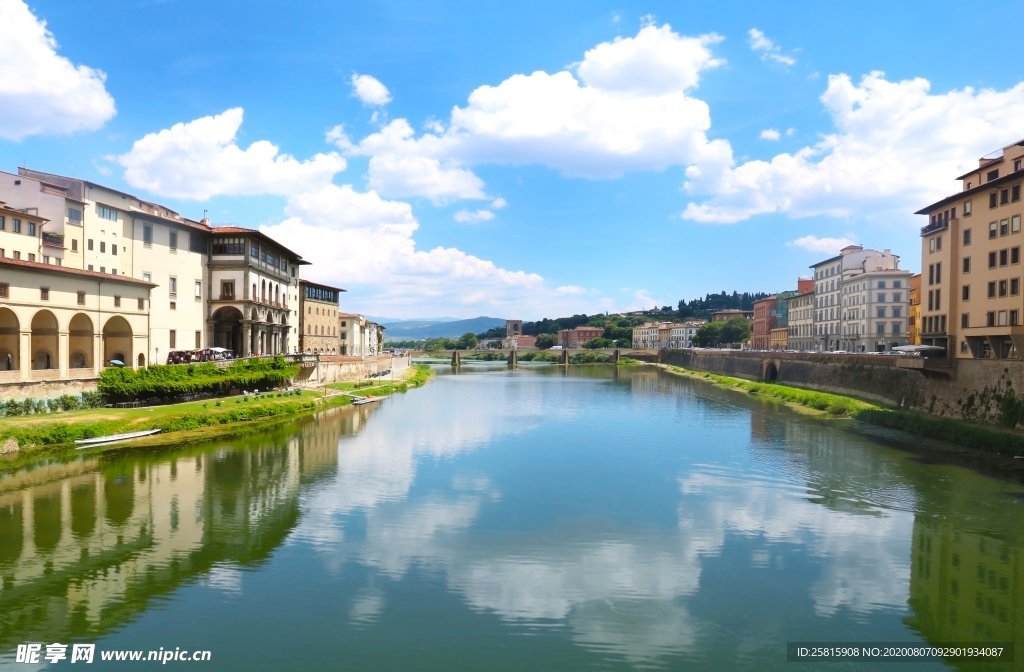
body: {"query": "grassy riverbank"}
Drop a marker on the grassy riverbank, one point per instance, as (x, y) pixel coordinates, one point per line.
(966, 434)
(30, 438)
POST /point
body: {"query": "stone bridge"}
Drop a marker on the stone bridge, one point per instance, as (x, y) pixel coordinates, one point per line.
(564, 355)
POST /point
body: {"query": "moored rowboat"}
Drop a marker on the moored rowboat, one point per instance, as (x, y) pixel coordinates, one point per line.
(111, 438)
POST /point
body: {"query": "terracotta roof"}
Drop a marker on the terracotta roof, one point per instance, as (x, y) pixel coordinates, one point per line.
(64, 270)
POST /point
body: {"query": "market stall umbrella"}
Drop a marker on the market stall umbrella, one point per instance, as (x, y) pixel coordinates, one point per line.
(116, 362)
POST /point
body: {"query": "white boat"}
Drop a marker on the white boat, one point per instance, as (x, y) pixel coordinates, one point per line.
(359, 401)
(113, 438)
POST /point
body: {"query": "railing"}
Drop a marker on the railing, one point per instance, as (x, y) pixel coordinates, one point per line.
(935, 226)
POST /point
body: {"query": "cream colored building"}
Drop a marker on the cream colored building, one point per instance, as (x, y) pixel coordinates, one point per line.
(801, 322)
(971, 300)
(321, 319)
(350, 334)
(646, 335)
(60, 323)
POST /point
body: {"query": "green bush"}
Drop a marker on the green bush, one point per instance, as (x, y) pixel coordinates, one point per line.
(160, 381)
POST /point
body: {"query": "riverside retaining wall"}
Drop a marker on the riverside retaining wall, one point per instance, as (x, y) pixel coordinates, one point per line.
(975, 389)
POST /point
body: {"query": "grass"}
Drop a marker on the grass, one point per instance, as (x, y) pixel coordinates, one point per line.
(964, 433)
(50, 435)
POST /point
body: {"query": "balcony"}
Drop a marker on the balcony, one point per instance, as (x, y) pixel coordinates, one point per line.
(936, 226)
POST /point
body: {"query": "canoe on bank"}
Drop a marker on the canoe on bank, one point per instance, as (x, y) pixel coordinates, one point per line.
(112, 438)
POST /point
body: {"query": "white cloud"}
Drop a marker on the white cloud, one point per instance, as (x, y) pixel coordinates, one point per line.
(499, 203)
(200, 159)
(816, 244)
(768, 50)
(894, 146)
(472, 217)
(770, 134)
(575, 290)
(628, 107)
(369, 90)
(42, 92)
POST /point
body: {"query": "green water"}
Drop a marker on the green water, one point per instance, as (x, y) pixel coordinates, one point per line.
(598, 519)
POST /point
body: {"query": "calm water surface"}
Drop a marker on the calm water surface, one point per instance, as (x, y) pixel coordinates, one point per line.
(598, 519)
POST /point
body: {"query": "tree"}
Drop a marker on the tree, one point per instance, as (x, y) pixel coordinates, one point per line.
(595, 343)
(736, 330)
(709, 335)
(467, 341)
(545, 341)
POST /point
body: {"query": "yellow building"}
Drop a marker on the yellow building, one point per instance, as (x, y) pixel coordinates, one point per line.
(971, 299)
(320, 318)
(778, 338)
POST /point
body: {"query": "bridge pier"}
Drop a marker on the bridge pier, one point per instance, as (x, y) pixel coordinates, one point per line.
(513, 360)
(615, 356)
(565, 358)
(456, 359)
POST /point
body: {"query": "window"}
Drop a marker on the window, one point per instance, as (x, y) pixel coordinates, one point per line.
(174, 305)
(75, 216)
(1004, 227)
(1014, 318)
(992, 175)
(991, 290)
(147, 277)
(1015, 224)
(88, 245)
(897, 297)
(967, 236)
(117, 301)
(1015, 193)
(967, 264)
(174, 241)
(938, 296)
(5, 290)
(31, 256)
(880, 328)
(881, 284)
(1003, 257)
(103, 269)
(938, 273)
(965, 293)
(993, 230)
(880, 298)
(16, 225)
(964, 320)
(1015, 255)
(103, 247)
(173, 338)
(896, 284)
(896, 328)
(991, 259)
(90, 267)
(199, 290)
(879, 312)
(1014, 286)
(81, 298)
(1002, 318)
(142, 304)
(172, 286)
(74, 245)
(147, 235)
(17, 254)
(227, 290)
(1004, 196)
(199, 340)
(31, 228)
(44, 293)
(103, 212)
(967, 208)
(990, 319)
(1002, 288)
(3, 223)
(113, 250)
(46, 259)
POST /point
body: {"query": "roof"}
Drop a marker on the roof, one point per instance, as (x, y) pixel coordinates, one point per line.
(320, 284)
(985, 186)
(64, 270)
(239, 230)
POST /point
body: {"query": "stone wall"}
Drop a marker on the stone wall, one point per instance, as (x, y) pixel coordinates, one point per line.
(47, 389)
(336, 368)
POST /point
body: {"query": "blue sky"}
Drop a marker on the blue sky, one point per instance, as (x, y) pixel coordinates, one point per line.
(520, 160)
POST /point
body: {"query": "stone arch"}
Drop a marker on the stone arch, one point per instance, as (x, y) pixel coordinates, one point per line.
(81, 335)
(770, 371)
(263, 291)
(227, 328)
(45, 347)
(10, 332)
(117, 340)
(142, 360)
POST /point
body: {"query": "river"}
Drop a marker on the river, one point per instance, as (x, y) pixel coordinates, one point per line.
(595, 518)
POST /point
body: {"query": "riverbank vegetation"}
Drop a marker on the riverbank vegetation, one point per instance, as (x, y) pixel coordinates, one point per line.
(34, 437)
(963, 433)
(119, 384)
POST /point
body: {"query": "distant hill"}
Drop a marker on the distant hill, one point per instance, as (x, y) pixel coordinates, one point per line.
(439, 328)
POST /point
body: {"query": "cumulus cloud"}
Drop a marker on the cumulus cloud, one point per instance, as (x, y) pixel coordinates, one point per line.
(499, 203)
(770, 134)
(369, 90)
(472, 217)
(895, 144)
(816, 244)
(626, 106)
(200, 159)
(768, 50)
(42, 92)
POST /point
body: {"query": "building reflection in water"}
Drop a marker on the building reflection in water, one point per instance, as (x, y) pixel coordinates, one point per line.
(85, 547)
